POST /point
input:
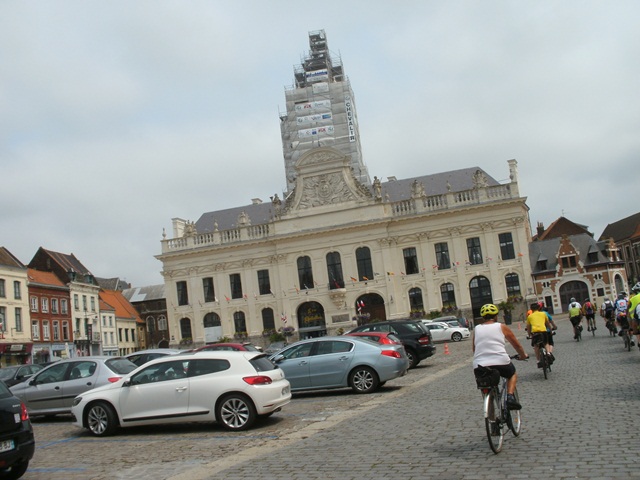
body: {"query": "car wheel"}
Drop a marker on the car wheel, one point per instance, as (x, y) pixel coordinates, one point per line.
(15, 471)
(236, 412)
(101, 419)
(413, 358)
(456, 336)
(363, 380)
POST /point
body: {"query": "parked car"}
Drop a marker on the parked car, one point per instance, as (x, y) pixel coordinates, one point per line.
(414, 336)
(340, 362)
(274, 347)
(384, 338)
(51, 391)
(452, 320)
(17, 442)
(18, 373)
(233, 347)
(441, 331)
(231, 388)
(143, 356)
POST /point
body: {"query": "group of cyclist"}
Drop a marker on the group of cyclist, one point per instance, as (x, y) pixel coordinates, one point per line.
(490, 337)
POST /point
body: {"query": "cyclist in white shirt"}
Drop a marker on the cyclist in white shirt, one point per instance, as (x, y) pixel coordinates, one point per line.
(575, 315)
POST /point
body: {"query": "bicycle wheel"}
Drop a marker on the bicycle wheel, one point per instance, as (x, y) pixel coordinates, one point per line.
(627, 341)
(545, 362)
(578, 334)
(593, 327)
(514, 420)
(492, 423)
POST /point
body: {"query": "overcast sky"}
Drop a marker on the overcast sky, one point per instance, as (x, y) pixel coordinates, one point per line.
(116, 117)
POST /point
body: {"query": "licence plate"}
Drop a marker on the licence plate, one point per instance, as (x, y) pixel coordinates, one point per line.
(6, 445)
(285, 390)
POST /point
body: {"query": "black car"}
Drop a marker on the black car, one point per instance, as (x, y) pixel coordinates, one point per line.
(18, 373)
(17, 443)
(415, 337)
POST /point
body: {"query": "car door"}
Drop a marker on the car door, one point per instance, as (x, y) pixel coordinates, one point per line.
(81, 376)
(44, 390)
(437, 331)
(159, 390)
(208, 378)
(330, 363)
(295, 364)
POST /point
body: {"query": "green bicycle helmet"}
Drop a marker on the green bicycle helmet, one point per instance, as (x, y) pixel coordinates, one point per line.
(488, 310)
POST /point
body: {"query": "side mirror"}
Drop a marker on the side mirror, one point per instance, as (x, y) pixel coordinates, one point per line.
(278, 358)
(126, 383)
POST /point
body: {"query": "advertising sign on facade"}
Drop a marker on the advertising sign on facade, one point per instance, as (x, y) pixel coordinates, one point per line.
(350, 121)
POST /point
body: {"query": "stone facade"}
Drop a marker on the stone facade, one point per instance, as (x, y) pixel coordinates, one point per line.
(336, 250)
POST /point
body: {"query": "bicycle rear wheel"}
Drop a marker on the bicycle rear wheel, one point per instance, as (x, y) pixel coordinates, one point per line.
(627, 341)
(492, 422)
(514, 420)
(545, 362)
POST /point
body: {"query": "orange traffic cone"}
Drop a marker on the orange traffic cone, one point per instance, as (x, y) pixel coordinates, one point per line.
(446, 348)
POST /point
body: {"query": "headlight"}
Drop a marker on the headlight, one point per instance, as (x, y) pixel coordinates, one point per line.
(76, 401)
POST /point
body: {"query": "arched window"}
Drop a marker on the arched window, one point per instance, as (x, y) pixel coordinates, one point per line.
(334, 271)
(305, 273)
(363, 260)
(162, 323)
(185, 328)
(239, 322)
(416, 302)
(268, 319)
(512, 282)
(151, 324)
(448, 295)
(211, 319)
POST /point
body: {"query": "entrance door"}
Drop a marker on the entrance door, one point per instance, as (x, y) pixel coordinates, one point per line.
(575, 289)
(373, 304)
(480, 292)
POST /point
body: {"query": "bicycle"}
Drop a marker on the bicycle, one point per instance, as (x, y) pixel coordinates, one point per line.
(578, 333)
(625, 331)
(497, 417)
(591, 325)
(545, 357)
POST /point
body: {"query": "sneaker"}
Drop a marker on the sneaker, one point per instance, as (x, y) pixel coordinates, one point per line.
(588, 329)
(539, 364)
(512, 403)
(552, 358)
(594, 328)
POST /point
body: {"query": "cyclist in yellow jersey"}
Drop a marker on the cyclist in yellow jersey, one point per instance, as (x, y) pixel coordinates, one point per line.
(537, 325)
(575, 316)
(634, 302)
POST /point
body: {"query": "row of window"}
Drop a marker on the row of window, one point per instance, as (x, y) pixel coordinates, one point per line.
(4, 320)
(54, 330)
(364, 267)
(416, 302)
(17, 289)
(60, 306)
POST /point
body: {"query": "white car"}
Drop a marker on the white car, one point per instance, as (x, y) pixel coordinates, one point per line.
(231, 388)
(441, 331)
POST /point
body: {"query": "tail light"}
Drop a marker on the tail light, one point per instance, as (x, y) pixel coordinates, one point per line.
(258, 380)
(391, 353)
(24, 414)
(113, 379)
(424, 340)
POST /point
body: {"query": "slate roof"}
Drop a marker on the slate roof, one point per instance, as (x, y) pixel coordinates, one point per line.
(547, 250)
(142, 294)
(562, 226)
(8, 260)
(622, 229)
(113, 283)
(397, 190)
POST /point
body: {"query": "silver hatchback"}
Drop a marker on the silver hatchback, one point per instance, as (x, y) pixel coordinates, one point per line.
(51, 391)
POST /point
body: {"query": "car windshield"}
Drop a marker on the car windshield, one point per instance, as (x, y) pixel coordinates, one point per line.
(121, 365)
(262, 363)
(7, 373)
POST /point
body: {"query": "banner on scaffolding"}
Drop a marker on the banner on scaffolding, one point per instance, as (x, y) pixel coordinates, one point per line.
(316, 117)
(348, 105)
(311, 132)
(317, 105)
(317, 75)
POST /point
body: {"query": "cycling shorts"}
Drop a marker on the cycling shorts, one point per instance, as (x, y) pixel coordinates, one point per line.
(539, 336)
(507, 371)
(575, 320)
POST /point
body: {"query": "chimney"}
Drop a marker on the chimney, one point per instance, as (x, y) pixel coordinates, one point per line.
(540, 229)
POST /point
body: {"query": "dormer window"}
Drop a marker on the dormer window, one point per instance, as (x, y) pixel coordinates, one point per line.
(542, 265)
(569, 262)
